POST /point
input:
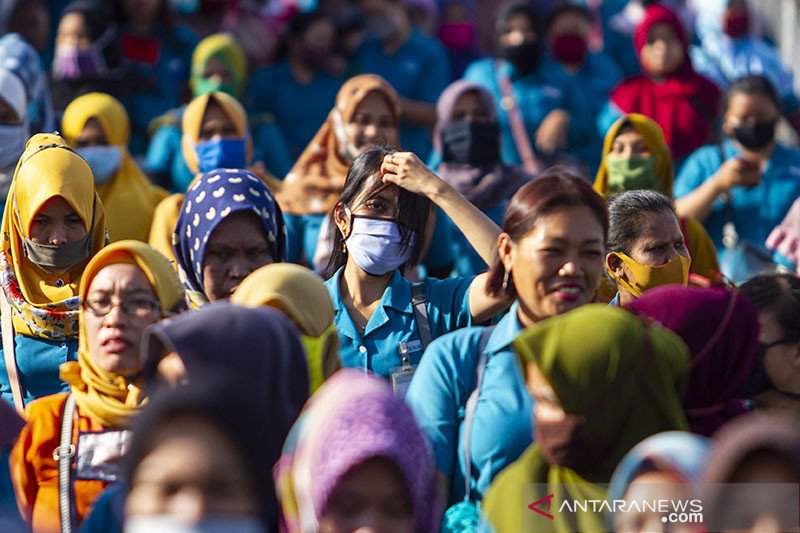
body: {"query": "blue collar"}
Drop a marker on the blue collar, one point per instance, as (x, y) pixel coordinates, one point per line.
(505, 331)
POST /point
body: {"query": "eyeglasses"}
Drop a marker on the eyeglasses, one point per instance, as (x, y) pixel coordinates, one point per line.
(137, 307)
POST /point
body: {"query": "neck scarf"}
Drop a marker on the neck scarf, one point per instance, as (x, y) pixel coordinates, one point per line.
(685, 104)
(192, 122)
(656, 145)
(46, 304)
(211, 198)
(351, 419)
(720, 328)
(623, 377)
(486, 186)
(226, 49)
(129, 197)
(315, 182)
(302, 296)
(109, 398)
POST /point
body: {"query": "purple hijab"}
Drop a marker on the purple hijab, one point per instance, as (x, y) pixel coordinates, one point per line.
(721, 329)
(483, 186)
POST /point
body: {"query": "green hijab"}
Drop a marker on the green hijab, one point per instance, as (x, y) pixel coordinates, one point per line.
(624, 376)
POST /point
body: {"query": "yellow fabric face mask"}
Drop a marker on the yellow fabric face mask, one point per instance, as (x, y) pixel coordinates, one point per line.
(675, 272)
(314, 350)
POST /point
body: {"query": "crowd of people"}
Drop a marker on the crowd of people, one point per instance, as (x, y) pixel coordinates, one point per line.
(395, 265)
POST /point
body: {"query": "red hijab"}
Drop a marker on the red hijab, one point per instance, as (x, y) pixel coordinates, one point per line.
(685, 105)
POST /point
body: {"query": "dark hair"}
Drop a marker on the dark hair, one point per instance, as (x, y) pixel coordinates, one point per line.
(555, 188)
(626, 211)
(563, 8)
(513, 8)
(779, 294)
(752, 85)
(412, 209)
(297, 26)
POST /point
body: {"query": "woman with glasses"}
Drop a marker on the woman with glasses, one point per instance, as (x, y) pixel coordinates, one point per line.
(80, 435)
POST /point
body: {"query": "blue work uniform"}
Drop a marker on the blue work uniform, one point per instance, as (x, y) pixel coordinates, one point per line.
(38, 361)
(418, 70)
(503, 422)
(756, 210)
(394, 322)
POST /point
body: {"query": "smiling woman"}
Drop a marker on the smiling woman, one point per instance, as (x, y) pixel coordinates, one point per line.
(126, 287)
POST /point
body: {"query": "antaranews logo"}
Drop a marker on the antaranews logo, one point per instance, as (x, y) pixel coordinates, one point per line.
(541, 501)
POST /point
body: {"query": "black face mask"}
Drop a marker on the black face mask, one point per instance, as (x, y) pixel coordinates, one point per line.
(524, 56)
(756, 135)
(470, 142)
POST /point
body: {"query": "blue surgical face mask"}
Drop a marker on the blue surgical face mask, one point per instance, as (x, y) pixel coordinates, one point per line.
(170, 524)
(103, 160)
(12, 144)
(220, 153)
(376, 245)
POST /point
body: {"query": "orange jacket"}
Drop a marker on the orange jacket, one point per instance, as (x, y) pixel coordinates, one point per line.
(35, 472)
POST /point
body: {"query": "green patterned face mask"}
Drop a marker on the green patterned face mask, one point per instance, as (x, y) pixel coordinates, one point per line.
(626, 174)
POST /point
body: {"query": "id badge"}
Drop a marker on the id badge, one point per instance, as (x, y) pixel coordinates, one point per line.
(401, 379)
(99, 454)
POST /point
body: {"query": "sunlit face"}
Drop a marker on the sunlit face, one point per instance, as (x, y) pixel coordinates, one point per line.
(92, 134)
(660, 241)
(652, 486)
(371, 497)
(114, 339)
(216, 124)
(194, 472)
(56, 223)
(371, 123)
(747, 109)
(73, 31)
(469, 107)
(557, 265)
(663, 53)
(629, 143)
(546, 406)
(380, 202)
(8, 117)
(236, 247)
(518, 31)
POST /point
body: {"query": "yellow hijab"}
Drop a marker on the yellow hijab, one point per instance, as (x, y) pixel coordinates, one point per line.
(129, 197)
(45, 304)
(656, 144)
(107, 397)
(301, 295)
(193, 120)
(229, 51)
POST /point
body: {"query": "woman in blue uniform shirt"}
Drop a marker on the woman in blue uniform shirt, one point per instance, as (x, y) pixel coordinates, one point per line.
(380, 229)
(550, 258)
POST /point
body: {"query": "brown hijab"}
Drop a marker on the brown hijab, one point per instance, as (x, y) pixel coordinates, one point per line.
(315, 182)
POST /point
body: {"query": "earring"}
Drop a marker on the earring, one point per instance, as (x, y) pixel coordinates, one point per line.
(344, 247)
(505, 280)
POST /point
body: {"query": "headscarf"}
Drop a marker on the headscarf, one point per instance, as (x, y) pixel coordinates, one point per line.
(720, 327)
(18, 56)
(302, 296)
(214, 196)
(685, 104)
(351, 419)
(192, 122)
(222, 401)
(656, 145)
(129, 197)
(625, 377)
(46, 304)
(101, 28)
(113, 399)
(677, 452)
(224, 47)
(316, 180)
(486, 186)
(257, 348)
(12, 92)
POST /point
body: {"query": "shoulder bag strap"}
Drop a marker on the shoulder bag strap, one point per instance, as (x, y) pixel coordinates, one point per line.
(472, 404)
(730, 236)
(421, 313)
(6, 320)
(521, 140)
(64, 454)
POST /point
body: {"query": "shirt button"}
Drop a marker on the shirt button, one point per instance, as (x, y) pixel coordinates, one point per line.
(362, 349)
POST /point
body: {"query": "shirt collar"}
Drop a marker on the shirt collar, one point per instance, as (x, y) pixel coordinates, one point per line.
(505, 331)
(397, 294)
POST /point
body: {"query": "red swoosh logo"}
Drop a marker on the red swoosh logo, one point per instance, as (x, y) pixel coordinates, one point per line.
(534, 506)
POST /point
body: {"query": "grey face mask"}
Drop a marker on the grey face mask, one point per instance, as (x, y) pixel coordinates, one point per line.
(58, 257)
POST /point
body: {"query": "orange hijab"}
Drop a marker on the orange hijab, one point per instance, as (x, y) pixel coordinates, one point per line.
(315, 182)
